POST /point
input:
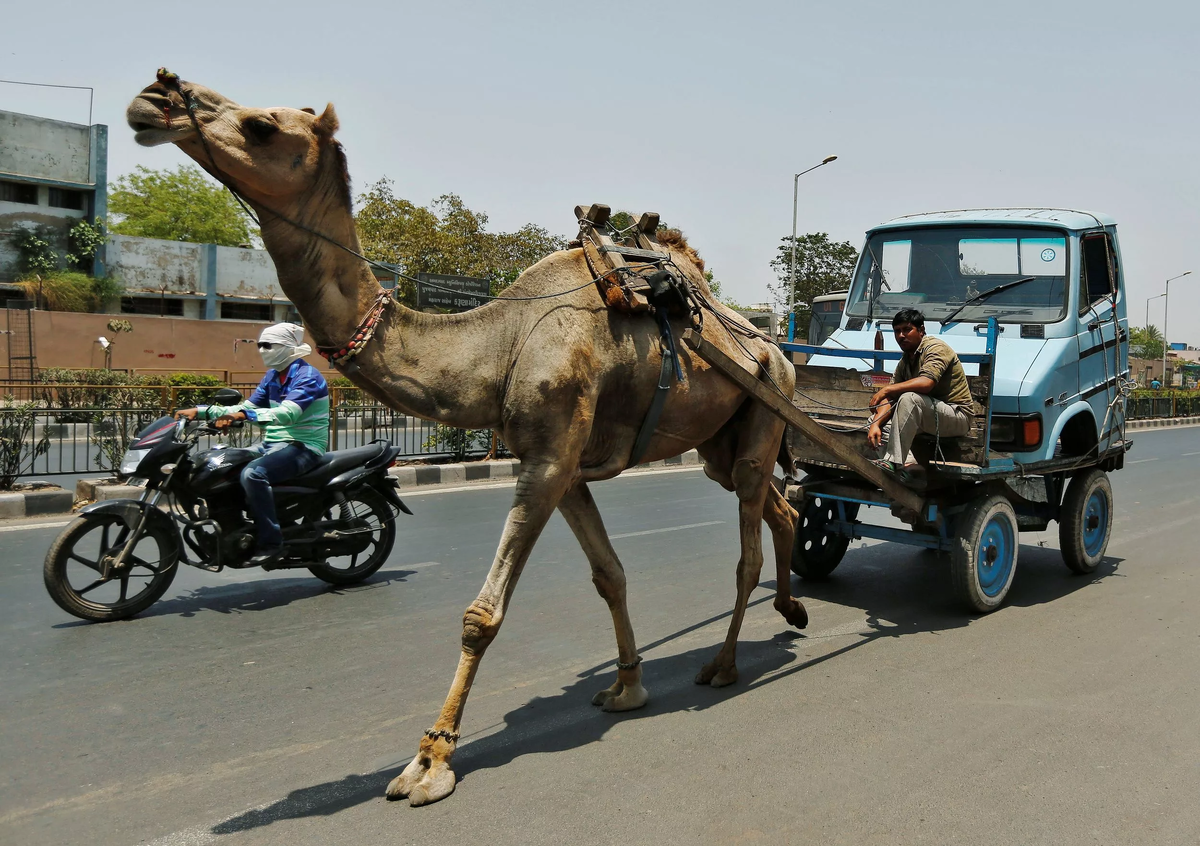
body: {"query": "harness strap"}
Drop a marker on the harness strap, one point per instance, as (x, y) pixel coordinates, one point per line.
(670, 367)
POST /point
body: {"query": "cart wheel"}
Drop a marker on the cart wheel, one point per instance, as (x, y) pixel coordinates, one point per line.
(815, 551)
(1086, 522)
(984, 557)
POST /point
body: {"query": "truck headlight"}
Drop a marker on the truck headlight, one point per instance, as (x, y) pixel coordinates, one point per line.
(131, 460)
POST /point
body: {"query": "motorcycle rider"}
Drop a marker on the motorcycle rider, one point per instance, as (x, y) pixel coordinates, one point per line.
(292, 402)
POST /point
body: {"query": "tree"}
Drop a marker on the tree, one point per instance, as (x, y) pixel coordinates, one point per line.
(177, 205)
(821, 266)
(1146, 343)
(445, 237)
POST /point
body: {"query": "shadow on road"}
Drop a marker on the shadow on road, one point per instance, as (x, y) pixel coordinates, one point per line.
(258, 595)
(900, 591)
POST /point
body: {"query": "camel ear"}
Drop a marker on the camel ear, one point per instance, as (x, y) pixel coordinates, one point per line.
(309, 109)
(327, 124)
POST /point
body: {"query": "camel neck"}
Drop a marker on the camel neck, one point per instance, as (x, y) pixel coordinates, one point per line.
(447, 367)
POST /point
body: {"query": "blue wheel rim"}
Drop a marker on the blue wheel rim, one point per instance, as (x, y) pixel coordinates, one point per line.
(994, 555)
(1095, 523)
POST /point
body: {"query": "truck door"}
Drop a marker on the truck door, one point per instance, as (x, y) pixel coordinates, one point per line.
(1102, 334)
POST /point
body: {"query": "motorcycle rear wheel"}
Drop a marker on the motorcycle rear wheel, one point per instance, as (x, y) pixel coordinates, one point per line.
(364, 504)
(73, 577)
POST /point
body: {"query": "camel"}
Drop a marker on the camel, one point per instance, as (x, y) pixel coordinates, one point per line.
(564, 380)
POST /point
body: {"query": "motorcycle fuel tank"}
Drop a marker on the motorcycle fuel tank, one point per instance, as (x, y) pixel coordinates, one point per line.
(220, 467)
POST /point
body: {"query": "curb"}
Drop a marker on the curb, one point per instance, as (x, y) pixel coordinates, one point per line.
(419, 475)
(35, 503)
(1159, 422)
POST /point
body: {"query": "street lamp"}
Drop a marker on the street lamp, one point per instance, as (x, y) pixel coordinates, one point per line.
(1166, 312)
(1155, 297)
(795, 201)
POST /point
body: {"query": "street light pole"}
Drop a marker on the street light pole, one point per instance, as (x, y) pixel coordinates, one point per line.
(795, 204)
(1166, 313)
(1155, 297)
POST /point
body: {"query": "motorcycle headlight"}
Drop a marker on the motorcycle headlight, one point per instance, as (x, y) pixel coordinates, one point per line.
(131, 460)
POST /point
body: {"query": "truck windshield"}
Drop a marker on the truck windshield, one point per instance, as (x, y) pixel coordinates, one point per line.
(937, 269)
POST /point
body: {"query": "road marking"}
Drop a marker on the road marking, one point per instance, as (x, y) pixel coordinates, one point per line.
(33, 526)
(508, 483)
(1186, 454)
(668, 529)
(1141, 461)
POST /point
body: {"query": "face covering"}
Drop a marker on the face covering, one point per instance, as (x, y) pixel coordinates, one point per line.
(288, 345)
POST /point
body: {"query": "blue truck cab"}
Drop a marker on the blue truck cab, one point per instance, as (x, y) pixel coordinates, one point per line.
(1052, 281)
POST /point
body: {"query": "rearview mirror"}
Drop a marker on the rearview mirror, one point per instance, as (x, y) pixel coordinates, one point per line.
(227, 396)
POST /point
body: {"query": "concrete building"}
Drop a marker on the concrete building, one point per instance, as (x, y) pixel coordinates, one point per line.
(52, 175)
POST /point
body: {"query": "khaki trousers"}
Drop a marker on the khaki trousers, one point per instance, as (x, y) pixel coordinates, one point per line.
(916, 413)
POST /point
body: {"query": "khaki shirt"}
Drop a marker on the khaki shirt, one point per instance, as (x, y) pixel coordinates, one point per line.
(935, 359)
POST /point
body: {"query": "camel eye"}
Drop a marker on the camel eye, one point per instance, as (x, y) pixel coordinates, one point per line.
(261, 129)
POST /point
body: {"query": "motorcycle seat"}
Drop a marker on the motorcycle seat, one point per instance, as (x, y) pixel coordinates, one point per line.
(337, 462)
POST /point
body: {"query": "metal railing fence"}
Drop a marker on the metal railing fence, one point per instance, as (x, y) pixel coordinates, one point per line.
(85, 428)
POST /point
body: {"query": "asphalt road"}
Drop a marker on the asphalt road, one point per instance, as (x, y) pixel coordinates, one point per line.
(248, 708)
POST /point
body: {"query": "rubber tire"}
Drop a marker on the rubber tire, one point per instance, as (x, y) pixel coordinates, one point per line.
(380, 508)
(993, 515)
(1074, 514)
(54, 574)
(816, 554)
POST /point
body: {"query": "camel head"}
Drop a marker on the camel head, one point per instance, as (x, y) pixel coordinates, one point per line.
(271, 155)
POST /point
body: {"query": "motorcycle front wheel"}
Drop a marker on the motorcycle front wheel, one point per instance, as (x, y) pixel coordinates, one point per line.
(75, 566)
(370, 514)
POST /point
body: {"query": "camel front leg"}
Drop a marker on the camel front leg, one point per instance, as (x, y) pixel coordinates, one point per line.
(581, 514)
(428, 777)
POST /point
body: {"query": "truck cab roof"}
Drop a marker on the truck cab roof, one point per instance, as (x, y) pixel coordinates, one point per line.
(1072, 219)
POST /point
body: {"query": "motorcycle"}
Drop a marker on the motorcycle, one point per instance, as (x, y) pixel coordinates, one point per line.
(118, 557)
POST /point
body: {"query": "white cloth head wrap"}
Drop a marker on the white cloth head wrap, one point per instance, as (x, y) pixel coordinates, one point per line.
(291, 346)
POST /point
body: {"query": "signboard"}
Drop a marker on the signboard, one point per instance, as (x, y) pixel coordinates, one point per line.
(457, 293)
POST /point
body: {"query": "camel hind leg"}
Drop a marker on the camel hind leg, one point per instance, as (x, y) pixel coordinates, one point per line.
(581, 514)
(743, 462)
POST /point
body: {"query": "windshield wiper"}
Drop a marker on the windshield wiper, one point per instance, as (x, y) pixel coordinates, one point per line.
(981, 297)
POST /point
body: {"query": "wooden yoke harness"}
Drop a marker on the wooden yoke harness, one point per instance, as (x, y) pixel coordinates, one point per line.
(637, 277)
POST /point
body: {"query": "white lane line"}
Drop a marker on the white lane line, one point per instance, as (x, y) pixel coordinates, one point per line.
(508, 483)
(1141, 461)
(668, 529)
(33, 526)
(1186, 454)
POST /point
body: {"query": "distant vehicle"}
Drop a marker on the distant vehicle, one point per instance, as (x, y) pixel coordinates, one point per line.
(826, 316)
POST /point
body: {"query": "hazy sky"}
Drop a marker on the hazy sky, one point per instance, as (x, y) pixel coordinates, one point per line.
(700, 111)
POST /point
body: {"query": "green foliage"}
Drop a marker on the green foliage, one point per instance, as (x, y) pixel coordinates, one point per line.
(17, 423)
(35, 253)
(457, 442)
(192, 388)
(83, 241)
(96, 389)
(67, 290)
(1146, 343)
(445, 237)
(178, 205)
(821, 266)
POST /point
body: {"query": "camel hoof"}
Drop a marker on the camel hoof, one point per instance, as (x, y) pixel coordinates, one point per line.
(796, 615)
(715, 675)
(630, 699)
(608, 693)
(437, 784)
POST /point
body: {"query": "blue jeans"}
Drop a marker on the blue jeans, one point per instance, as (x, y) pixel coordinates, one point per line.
(279, 463)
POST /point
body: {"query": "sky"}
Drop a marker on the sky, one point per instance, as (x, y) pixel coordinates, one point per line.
(700, 111)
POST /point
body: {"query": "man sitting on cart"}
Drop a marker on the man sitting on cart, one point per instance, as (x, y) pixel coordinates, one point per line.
(928, 393)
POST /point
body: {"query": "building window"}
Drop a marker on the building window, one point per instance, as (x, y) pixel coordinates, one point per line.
(64, 198)
(18, 192)
(162, 306)
(246, 311)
